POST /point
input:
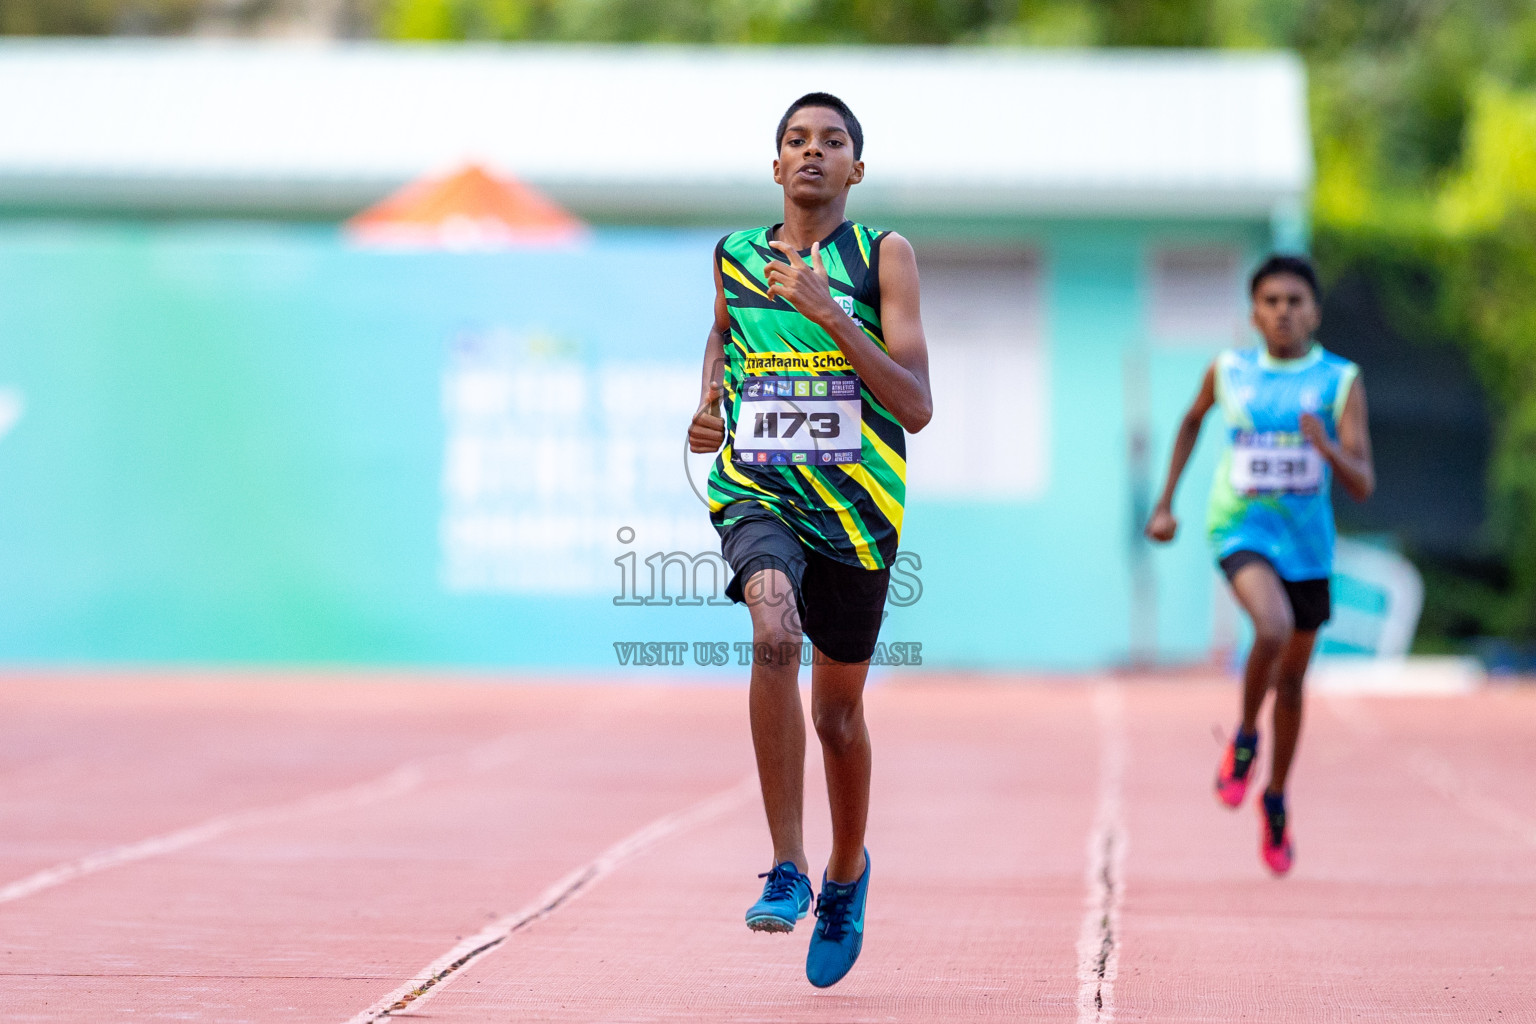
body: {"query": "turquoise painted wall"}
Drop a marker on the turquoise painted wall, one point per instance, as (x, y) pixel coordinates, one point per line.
(236, 444)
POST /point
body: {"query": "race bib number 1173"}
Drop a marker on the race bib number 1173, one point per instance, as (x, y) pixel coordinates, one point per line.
(810, 421)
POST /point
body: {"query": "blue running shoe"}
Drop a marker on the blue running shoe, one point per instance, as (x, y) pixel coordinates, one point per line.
(839, 934)
(786, 899)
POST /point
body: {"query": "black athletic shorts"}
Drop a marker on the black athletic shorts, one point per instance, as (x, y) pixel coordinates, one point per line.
(840, 605)
(1311, 600)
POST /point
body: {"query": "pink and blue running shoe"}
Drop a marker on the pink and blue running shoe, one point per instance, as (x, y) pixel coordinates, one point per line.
(1232, 776)
(1274, 833)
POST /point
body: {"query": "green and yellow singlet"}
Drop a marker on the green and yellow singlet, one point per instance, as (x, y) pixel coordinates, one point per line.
(805, 440)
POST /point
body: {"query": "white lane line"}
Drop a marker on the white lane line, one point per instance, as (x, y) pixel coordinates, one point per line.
(1098, 943)
(1443, 779)
(1438, 773)
(402, 780)
(431, 979)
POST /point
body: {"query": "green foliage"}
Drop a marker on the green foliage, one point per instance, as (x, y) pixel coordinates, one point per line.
(1492, 289)
(699, 21)
(95, 17)
(1462, 602)
(1455, 259)
(1158, 22)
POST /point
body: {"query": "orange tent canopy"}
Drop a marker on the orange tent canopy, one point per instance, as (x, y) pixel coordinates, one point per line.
(468, 209)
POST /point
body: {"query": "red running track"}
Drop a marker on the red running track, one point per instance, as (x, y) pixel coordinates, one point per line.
(312, 849)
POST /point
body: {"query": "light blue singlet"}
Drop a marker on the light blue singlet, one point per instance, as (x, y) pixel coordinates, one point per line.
(1271, 492)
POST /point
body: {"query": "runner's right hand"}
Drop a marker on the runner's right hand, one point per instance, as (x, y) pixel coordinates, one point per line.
(707, 431)
(1162, 526)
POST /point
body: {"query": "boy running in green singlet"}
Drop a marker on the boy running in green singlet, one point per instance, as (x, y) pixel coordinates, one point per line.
(817, 350)
(1295, 417)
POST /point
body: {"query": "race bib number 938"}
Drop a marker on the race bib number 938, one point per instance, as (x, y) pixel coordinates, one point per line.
(1274, 462)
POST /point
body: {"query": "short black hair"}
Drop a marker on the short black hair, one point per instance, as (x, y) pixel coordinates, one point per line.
(1279, 263)
(823, 99)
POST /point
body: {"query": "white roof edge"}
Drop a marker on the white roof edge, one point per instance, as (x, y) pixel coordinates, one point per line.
(254, 125)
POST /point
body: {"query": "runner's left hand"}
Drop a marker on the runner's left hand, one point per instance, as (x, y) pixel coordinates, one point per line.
(803, 286)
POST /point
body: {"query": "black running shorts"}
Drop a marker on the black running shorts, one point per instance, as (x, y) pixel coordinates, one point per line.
(1311, 600)
(840, 605)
